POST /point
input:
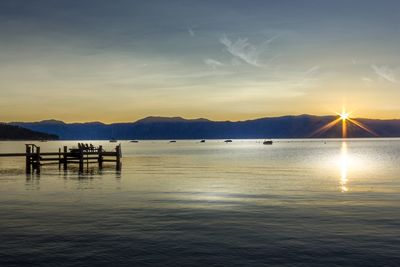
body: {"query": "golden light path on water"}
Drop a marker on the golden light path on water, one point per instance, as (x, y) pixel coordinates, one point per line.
(352, 167)
(344, 161)
(344, 167)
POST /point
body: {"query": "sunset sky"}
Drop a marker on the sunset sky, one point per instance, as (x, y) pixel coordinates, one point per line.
(117, 61)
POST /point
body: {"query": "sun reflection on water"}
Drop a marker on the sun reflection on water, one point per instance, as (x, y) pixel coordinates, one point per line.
(344, 167)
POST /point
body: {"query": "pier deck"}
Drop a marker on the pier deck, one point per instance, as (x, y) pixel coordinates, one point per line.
(83, 155)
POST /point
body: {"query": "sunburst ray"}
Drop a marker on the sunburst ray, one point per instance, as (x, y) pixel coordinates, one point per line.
(345, 118)
(362, 126)
(326, 127)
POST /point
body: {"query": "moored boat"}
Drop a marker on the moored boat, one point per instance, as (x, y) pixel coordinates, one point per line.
(267, 142)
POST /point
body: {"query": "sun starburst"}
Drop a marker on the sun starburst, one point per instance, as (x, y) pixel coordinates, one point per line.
(343, 117)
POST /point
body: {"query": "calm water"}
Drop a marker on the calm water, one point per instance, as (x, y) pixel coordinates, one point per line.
(295, 203)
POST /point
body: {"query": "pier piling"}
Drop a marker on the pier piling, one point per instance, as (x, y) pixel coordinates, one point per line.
(80, 155)
(100, 160)
(28, 159)
(118, 157)
(65, 158)
(37, 160)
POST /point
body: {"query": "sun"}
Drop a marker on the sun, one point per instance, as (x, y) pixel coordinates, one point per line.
(344, 116)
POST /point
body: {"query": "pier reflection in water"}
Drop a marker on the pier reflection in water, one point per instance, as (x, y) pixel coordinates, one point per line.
(73, 176)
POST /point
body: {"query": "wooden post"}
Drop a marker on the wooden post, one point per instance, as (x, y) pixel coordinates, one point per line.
(38, 159)
(80, 159)
(100, 160)
(59, 158)
(87, 160)
(65, 158)
(28, 159)
(118, 155)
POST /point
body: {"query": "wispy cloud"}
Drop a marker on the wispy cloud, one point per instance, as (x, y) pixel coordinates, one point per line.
(296, 81)
(311, 71)
(308, 76)
(367, 80)
(385, 72)
(244, 50)
(213, 63)
(191, 32)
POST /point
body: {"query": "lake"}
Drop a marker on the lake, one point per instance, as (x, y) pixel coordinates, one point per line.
(295, 203)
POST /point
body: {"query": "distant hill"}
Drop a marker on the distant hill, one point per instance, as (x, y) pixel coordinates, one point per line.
(11, 132)
(302, 126)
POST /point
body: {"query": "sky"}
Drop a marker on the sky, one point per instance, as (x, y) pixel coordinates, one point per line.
(119, 61)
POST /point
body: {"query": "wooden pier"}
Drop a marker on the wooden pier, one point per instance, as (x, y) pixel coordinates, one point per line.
(81, 156)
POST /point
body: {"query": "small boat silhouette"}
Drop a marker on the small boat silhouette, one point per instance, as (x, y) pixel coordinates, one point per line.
(172, 141)
(134, 141)
(113, 141)
(203, 141)
(228, 141)
(267, 142)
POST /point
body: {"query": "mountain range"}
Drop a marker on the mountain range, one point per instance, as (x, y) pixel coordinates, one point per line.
(301, 126)
(13, 132)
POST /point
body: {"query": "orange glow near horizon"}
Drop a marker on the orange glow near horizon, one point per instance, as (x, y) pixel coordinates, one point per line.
(344, 128)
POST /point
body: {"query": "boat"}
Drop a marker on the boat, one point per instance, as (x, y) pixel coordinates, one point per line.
(134, 141)
(113, 140)
(228, 141)
(267, 142)
(172, 141)
(203, 141)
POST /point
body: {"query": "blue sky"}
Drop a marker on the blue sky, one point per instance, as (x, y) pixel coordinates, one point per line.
(123, 60)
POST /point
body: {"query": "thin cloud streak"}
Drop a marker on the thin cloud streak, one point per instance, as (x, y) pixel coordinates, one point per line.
(310, 75)
(385, 72)
(213, 63)
(191, 32)
(300, 79)
(244, 50)
(311, 71)
(366, 79)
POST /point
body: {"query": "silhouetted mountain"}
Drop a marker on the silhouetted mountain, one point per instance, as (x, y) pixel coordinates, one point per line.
(303, 126)
(11, 132)
(153, 119)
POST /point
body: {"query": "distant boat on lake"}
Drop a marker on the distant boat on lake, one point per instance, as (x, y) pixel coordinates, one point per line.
(203, 141)
(267, 142)
(228, 141)
(113, 140)
(172, 141)
(134, 141)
